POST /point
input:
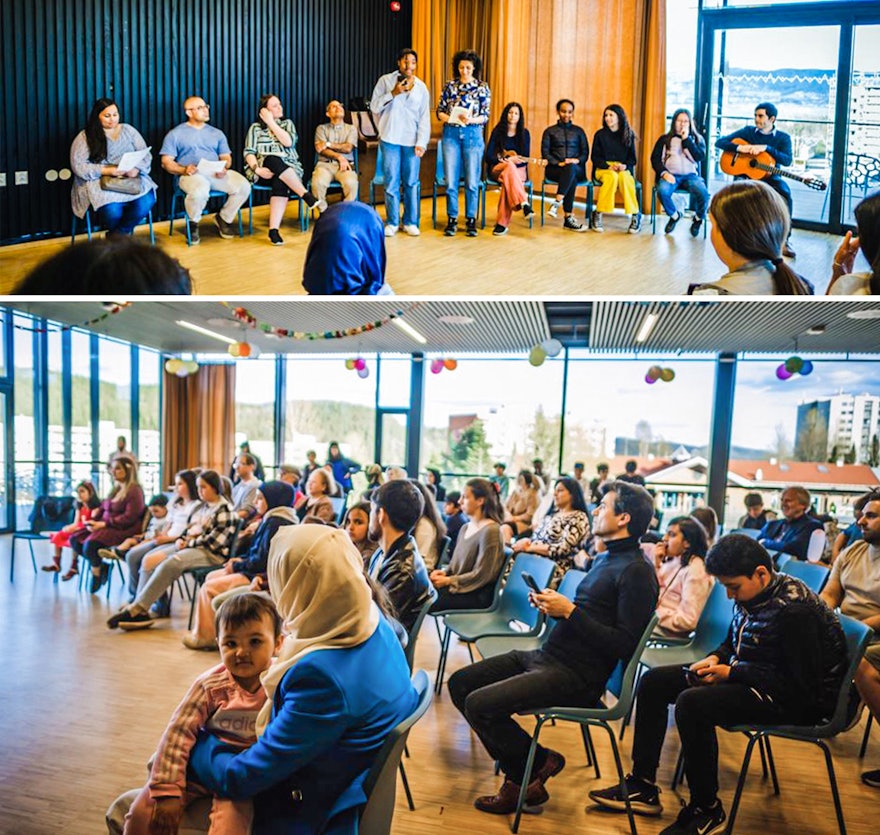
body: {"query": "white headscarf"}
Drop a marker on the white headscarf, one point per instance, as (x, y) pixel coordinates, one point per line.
(316, 578)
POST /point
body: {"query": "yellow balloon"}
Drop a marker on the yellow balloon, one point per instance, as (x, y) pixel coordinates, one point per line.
(655, 372)
(667, 375)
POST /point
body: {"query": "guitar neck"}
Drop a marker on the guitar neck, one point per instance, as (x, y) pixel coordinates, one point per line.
(780, 172)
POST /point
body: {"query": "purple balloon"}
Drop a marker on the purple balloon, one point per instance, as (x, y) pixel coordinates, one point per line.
(783, 373)
(806, 368)
(649, 380)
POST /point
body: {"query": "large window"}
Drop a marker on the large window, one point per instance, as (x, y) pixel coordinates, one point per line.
(81, 405)
(328, 402)
(114, 399)
(59, 465)
(26, 489)
(149, 419)
(255, 407)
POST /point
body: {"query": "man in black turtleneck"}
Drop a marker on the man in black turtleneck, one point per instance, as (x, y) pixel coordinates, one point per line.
(611, 609)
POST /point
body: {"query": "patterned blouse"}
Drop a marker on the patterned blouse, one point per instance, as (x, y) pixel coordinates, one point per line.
(474, 95)
(563, 533)
(262, 143)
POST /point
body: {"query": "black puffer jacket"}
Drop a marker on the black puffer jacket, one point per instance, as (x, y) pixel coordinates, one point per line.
(565, 141)
(403, 574)
(789, 647)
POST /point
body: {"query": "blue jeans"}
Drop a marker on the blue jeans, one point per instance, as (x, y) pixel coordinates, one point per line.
(462, 149)
(400, 162)
(123, 217)
(690, 182)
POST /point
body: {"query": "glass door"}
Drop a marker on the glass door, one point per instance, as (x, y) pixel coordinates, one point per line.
(391, 440)
(862, 172)
(795, 69)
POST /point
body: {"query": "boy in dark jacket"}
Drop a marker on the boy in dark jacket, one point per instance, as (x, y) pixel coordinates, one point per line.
(782, 663)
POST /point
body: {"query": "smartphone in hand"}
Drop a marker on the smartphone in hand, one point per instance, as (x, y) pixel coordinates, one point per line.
(693, 679)
(530, 582)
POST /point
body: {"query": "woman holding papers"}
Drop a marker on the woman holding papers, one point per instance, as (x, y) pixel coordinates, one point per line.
(111, 167)
(463, 109)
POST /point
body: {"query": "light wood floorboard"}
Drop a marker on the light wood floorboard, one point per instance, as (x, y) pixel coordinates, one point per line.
(83, 708)
(548, 261)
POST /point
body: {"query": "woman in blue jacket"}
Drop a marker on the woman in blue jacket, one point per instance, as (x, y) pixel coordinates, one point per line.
(340, 684)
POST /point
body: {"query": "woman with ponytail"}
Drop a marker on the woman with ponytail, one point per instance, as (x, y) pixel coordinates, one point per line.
(844, 282)
(750, 226)
(468, 582)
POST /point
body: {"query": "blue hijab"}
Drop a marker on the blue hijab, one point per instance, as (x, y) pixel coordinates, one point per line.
(346, 256)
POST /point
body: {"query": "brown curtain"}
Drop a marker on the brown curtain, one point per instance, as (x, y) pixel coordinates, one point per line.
(198, 420)
(596, 52)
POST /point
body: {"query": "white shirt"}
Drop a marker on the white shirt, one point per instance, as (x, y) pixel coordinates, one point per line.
(404, 119)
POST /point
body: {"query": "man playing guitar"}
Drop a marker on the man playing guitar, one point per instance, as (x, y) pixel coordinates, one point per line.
(764, 137)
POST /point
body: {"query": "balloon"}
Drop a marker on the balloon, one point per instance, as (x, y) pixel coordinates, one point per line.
(667, 375)
(650, 380)
(172, 365)
(349, 364)
(360, 363)
(537, 356)
(244, 349)
(255, 351)
(551, 347)
(793, 364)
(192, 366)
(806, 368)
(364, 372)
(654, 372)
(450, 365)
(234, 349)
(182, 372)
(782, 373)
(436, 366)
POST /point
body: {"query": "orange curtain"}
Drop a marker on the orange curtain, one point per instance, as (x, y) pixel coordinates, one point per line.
(198, 420)
(596, 52)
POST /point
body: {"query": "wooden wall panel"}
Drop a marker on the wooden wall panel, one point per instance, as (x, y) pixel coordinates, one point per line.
(59, 56)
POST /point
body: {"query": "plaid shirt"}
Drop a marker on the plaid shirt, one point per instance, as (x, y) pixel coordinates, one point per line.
(217, 532)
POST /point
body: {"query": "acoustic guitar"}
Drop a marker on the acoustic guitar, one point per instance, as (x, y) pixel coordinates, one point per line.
(762, 166)
(532, 160)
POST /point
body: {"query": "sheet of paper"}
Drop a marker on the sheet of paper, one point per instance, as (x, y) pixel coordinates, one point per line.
(459, 114)
(210, 167)
(131, 159)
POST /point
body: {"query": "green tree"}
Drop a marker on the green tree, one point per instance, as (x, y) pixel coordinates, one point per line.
(850, 457)
(812, 439)
(832, 457)
(470, 453)
(874, 455)
(544, 436)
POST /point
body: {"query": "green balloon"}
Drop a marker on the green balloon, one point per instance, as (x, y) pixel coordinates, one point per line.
(794, 364)
(537, 356)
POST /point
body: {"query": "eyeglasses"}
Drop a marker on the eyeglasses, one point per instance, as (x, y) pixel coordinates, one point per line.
(198, 107)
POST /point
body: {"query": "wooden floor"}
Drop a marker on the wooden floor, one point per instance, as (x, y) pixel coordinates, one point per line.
(83, 708)
(548, 261)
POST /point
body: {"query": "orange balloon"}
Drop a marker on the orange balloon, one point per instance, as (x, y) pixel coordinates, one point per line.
(450, 365)
(244, 350)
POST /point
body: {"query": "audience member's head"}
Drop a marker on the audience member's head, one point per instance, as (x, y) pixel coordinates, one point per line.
(398, 504)
(466, 55)
(754, 503)
(321, 483)
(615, 119)
(626, 510)
(158, 505)
(242, 609)
(707, 517)
(113, 267)
(451, 506)
(486, 495)
(794, 502)
(603, 470)
(277, 494)
(575, 499)
(750, 221)
(694, 536)
(741, 564)
(525, 480)
(681, 120)
(290, 473)
(346, 255)
(429, 509)
(868, 224)
(394, 472)
(631, 466)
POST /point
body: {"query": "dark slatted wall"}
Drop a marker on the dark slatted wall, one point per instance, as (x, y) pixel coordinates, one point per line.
(58, 56)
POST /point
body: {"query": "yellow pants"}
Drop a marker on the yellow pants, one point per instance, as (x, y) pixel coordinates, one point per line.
(612, 182)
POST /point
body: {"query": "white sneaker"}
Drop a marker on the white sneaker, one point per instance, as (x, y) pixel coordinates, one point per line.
(321, 206)
(411, 229)
(554, 209)
(390, 231)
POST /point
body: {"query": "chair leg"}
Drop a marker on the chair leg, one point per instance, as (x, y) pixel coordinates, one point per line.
(829, 763)
(12, 561)
(470, 648)
(590, 749)
(771, 764)
(33, 558)
(866, 736)
(763, 758)
(409, 800)
(530, 761)
(150, 222)
(621, 778)
(740, 784)
(678, 771)
(441, 664)
(628, 718)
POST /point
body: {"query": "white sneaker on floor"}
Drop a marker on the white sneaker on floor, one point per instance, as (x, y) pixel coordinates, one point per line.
(554, 209)
(390, 231)
(411, 229)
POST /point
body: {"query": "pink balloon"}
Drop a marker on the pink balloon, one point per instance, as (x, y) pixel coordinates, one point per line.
(436, 366)
(360, 363)
(783, 373)
(650, 380)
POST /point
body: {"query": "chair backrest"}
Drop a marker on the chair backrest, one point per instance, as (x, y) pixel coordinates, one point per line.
(568, 587)
(514, 603)
(338, 503)
(439, 171)
(417, 626)
(380, 783)
(780, 559)
(234, 541)
(714, 622)
(622, 680)
(812, 575)
(51, 513)
(443, 555)
(858, 636)
(379, 173)
(816, 546)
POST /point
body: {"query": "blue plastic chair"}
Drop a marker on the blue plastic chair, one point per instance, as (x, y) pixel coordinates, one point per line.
(378, 180)
(858, 636)
(680, 189)
(511, 605)
(88, 220)
(621, 684)
(302, 213)
(179, 193)
(440, 182)
(813, 575)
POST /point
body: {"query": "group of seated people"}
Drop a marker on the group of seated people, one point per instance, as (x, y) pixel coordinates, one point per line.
(361, 587)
